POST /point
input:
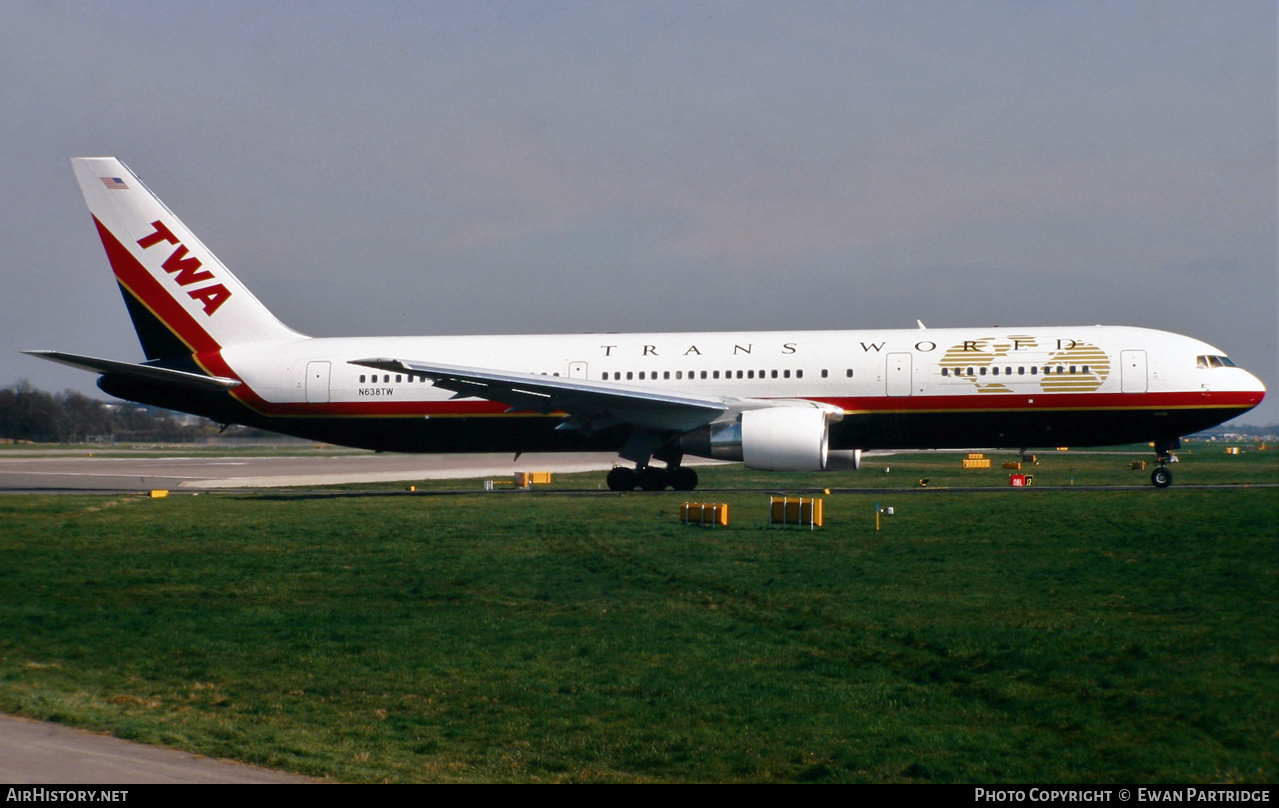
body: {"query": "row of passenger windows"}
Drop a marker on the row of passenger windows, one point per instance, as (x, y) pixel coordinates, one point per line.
(666, 375)
(642, 375)
(1021, 371)
(386, 378)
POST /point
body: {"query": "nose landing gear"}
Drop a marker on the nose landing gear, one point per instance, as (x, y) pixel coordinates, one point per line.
(1161, 477)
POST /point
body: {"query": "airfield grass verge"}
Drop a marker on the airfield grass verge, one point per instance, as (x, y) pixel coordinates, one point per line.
(1005, 636)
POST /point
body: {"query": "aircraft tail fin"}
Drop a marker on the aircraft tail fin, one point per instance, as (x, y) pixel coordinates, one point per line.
(181, 298)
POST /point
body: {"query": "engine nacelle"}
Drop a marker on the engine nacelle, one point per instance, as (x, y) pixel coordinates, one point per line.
(773, 439)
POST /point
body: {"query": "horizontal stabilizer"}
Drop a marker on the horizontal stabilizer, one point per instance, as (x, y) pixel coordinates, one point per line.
(129, 369)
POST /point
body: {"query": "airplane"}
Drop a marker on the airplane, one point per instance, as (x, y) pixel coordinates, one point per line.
(785, 401)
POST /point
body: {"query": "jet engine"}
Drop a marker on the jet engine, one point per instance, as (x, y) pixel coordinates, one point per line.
(773, 439)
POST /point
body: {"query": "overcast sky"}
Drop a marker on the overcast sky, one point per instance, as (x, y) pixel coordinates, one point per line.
(489, 167)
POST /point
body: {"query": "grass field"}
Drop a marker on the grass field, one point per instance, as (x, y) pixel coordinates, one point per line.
(1000, 636)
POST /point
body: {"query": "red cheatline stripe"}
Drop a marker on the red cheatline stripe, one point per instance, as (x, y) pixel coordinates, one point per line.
(1040, 402)
(1099, 403)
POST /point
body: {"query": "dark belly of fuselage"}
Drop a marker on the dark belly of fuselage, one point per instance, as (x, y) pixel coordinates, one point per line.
(525, 432)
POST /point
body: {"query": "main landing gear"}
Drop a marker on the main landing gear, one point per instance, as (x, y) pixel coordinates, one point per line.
(643, 447)
(650, 478)
(1161, 477)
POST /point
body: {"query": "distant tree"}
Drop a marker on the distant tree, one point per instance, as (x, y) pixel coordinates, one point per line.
(69, 417)
(9, 413)
(80, 417)
(34, 414)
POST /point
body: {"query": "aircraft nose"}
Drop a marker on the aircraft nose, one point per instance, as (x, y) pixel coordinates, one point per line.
(1257, 386)
(1251, 384)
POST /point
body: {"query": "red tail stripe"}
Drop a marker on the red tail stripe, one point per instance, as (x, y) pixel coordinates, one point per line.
(150, 293)
(159, 301)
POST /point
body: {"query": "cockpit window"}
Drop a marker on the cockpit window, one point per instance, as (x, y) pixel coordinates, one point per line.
(1214, 362)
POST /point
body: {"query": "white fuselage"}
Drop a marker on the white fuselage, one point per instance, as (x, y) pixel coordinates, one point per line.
(927, 364)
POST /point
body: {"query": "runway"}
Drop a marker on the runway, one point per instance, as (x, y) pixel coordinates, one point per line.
(74, 471)
(132, 471)
(34, 752)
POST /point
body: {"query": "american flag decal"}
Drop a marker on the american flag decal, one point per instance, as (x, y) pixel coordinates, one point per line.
(114, 183)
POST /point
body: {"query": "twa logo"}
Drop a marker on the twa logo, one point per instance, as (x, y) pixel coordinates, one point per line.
(186, 271)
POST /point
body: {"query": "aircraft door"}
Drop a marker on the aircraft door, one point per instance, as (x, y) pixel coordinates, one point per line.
(1132, 369)
(577, 370)
(897, 374)
(317, 382)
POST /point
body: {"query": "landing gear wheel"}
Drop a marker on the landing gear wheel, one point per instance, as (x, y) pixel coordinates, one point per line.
(683, 479)
(1161, 477)
(651, 479)
(622, 479)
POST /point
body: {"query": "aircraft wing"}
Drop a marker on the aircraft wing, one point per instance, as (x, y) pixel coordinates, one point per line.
(153, 373)
(589, 404)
